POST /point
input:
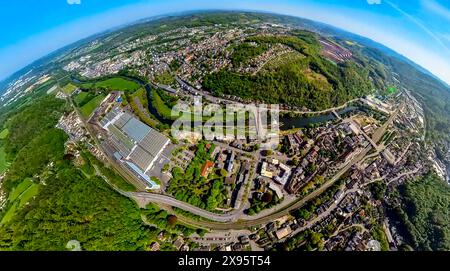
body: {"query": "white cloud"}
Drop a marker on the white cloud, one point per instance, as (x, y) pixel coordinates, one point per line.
(74, 2)
(436, 8)
(374, 2)
(422, 26)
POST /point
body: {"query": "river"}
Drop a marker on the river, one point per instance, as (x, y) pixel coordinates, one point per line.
(304, 122)
(287, 122)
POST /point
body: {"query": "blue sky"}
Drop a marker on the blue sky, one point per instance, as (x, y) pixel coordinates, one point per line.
(417, 29)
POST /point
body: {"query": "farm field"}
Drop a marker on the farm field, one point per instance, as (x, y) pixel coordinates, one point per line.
(87, 109)
(116, 83)
(69, 88)
(23, 193)
(4, 133)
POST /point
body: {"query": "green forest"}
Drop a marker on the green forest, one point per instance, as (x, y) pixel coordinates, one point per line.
(426, 214)
(51, 201)
(245, 51)
(307, 79)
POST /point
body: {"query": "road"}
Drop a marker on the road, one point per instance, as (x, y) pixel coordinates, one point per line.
(297, 204)
(230, 220)
(144, 198)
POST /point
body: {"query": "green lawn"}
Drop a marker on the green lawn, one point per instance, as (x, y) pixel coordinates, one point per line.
(87, 109)
(28, 194)
(4, 133)
(69, 88)
(165, 78)
(24, 185)
(160, 106)
(116, 83)
(9, 214)
(3, 163)
(81, 97)
(23, 193)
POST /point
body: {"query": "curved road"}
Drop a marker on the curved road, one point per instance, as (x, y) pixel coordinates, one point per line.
(230, 220)
(144, 198)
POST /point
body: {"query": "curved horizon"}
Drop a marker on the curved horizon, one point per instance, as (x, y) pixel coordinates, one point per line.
(49, 41)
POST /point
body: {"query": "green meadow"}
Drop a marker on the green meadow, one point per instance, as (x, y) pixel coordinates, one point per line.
(87, 109)
(20, 195)
(3, 162)
(4, 133)
(69, 88)
(115, 83)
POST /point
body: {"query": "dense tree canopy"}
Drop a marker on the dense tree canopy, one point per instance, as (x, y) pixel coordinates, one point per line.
(301, 79)
(426, 203)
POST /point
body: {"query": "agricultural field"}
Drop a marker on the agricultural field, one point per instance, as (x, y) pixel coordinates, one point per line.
(20, 195)
(87, 109)
(69, 88)
(116, 83)
(4, 133)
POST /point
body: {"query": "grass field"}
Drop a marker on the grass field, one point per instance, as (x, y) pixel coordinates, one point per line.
(69, 88)
(81, 97)
(23, 193)
(4, 133)
(165, 78)
(87, 109)
(163, 110)
(24, 185)
(114, 84)
(3, 163)
(52, 89)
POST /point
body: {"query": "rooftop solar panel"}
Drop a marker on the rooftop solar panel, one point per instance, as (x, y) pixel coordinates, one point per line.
(153, 142)
(122, 120)
(135, 129)
(141, 158)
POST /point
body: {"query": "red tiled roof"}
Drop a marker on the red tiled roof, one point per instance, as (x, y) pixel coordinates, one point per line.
(206, 167)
